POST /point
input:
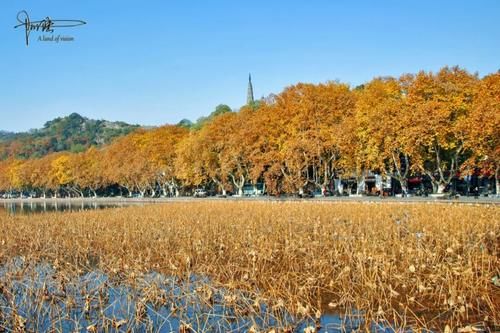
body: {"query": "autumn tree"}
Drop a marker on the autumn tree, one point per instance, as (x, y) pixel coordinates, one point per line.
(88, 171)
(120, 163)
(202, 154)
(137, 169)
(380, 115)
(263, 149)
(482, 128)
(161, 150)
(40, 171)
(60, 174)
(15, 176)
(436, 105)
(234, 157)
(5, 185)
(303, 134)
(189, 168)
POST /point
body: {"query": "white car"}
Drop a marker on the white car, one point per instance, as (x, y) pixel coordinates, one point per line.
(199, 193)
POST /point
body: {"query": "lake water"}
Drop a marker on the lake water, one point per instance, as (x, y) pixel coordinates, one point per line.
(154, 303)
(59, 206)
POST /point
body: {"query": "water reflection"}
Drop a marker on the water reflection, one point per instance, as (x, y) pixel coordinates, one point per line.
(152, 303)
(58, 206)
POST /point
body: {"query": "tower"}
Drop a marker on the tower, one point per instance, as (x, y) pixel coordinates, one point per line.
(250, 99)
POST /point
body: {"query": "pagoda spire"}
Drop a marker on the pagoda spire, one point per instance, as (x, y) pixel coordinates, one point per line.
(250, 99)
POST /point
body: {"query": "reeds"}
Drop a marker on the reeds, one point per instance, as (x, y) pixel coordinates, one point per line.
(419, 266)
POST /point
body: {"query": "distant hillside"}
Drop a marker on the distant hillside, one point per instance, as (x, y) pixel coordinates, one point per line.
(6, 135)
(72, 133)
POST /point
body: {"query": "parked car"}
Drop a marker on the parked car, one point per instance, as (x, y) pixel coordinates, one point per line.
(306, 194)
(199, 193)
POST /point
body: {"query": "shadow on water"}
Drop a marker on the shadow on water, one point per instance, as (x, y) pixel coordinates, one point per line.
(39, 299)
(15, 208)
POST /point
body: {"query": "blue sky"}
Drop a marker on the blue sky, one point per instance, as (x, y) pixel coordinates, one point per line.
(156, 62)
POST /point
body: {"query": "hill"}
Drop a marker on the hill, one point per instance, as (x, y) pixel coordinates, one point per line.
(72, 133)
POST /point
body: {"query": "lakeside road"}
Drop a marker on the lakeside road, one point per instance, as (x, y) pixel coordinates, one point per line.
(368, 199)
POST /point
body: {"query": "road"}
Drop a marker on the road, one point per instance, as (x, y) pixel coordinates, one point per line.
(461, 200)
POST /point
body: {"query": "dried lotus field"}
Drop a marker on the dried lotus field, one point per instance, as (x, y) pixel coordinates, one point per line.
(218, 266)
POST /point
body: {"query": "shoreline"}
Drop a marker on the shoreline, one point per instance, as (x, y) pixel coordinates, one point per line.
(365, 199)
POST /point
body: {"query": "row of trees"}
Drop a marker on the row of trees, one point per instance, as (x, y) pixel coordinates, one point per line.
(433, 124)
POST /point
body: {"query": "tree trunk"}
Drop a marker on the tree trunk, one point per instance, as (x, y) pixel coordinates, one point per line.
(239, 184)
(326, 180)
(438, 184)
(77, 191)
(339, 187)
(497, 182)
(404, 185)
(360, 184)
(129, 192)
(219, 185)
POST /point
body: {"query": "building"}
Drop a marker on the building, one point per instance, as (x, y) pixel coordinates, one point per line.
(250, 99)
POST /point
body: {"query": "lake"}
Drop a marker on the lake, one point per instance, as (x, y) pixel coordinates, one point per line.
(37, 207)
(48, 300)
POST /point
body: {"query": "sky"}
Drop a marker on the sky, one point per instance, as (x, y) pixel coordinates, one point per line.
(159, 61)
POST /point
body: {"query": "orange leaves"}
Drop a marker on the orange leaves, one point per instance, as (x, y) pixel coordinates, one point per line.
(482, 127)
(441, 99)
(380, 113)
(437, 105)
(309, 134)
(143, 158)
(60, 170)
(304, 128)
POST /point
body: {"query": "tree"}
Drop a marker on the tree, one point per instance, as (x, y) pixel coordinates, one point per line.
(161, 150)
(380, 116)
(482, 128)
(39, 175)
(189, 168)
(436, 104)
(234, 157)
(186, 123)
(219, 110)
(60, 172)
(88, 171)
(11, 176)
(4, 179)
(301, 135)
(201, 157)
